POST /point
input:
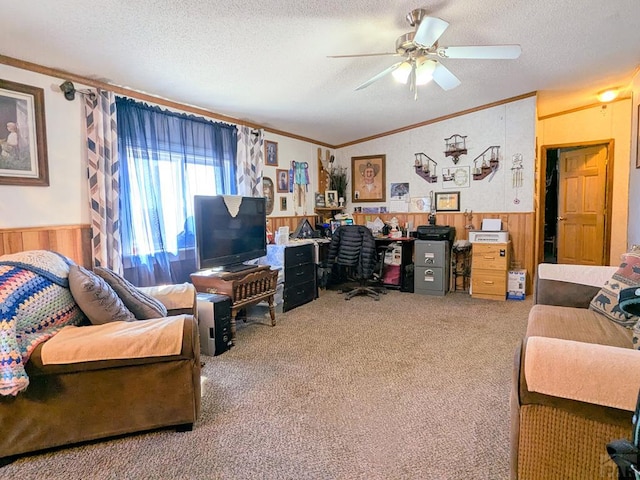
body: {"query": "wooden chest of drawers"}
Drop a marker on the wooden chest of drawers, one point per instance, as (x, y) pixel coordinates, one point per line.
(489, 269)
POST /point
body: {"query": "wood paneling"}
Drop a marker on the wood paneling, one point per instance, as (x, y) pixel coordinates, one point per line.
(73, 241)
(292, 222)
(521, 228)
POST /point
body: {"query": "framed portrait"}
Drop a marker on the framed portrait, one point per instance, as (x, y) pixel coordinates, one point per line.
(283, 204)
(331, 198)
(23, 139)
(283, 180)
(268, 193)
(320, 203)
(447, 201)
(271, 153)
(368, 178)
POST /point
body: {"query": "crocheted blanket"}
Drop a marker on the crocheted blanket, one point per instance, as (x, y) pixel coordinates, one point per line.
(35, 303)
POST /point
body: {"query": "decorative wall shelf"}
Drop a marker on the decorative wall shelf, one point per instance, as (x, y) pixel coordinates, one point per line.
(455, 146)
(487, 167)
(424, 169)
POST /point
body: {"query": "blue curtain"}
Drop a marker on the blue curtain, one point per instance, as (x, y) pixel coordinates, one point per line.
(166, 158)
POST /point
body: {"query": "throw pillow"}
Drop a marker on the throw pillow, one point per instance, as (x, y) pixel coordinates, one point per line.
(96, 298)
(141, 305)
(606, 300)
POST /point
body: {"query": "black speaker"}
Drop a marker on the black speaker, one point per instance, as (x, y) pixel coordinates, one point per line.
(214, 323)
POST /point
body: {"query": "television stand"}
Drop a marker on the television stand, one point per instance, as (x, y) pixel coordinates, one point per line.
(244, 288)
(237, 267)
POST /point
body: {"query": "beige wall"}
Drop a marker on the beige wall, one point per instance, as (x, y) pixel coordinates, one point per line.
(611, 121)
(65, 201)
(634, 173)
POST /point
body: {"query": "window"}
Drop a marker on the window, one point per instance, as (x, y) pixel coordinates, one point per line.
(167, 158)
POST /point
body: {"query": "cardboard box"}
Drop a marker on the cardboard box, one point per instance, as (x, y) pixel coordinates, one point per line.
(516, 284)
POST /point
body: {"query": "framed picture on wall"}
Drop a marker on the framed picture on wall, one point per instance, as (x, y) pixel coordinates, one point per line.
(447, 201)
(271, 153)
(368, 178)
(283, 180)
(23, 139)
(267, 192)
(331, 198)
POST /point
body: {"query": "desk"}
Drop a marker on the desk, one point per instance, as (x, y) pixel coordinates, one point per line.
(244, 288)
(405, 282)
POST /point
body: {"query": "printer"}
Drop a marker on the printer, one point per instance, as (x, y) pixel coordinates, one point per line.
(435, 233)
(491, 232)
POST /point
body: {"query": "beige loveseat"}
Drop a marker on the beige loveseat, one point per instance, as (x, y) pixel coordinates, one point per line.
(66, 403)
(575, 382)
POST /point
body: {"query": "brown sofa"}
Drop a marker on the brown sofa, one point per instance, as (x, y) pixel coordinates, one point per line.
(575, 380)
(77, 402)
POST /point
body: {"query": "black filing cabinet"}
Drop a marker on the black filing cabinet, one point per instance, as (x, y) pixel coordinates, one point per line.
(431, 275)
(299, 275)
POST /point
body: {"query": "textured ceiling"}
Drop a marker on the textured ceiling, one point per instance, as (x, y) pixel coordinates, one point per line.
(266, 61)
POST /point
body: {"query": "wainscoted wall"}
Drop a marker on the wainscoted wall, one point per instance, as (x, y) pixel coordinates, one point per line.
(291, 222)
(520, 226)
(73, 241)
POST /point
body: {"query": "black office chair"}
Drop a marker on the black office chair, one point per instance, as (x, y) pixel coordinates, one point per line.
(353, 247)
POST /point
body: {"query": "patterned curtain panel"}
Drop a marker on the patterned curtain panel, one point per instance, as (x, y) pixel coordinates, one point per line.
(250, 161)
(104, 179)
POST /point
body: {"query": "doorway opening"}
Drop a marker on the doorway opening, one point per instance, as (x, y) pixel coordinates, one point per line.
(551, 207)
(575, 203)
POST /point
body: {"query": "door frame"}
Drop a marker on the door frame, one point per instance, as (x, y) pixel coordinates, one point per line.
(541, 190)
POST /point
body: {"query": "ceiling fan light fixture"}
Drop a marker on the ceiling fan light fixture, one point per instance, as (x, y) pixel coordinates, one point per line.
(401, 74)
(424, 71)
(608, 95)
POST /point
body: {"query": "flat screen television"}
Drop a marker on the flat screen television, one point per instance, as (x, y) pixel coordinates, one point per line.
(229, 231)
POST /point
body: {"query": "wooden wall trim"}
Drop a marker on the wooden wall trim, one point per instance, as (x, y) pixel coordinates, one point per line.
(54, 72)
(73, 241)
(583, 107)
(438, 119)
(521, 227)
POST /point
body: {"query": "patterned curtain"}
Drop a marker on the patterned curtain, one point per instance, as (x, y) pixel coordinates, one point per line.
(104, 179)
(250, 161)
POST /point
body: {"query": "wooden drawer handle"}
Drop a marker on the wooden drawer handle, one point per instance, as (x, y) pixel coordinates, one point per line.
(488, 282)
(488, 258)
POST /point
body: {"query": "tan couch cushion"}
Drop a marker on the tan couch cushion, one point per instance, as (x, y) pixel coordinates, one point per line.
(176, 297)
(594, 374)
(115, 340)
(579, 324)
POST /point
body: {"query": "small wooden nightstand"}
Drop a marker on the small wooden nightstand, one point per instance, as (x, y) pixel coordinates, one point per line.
(489, 269)
(244, 288)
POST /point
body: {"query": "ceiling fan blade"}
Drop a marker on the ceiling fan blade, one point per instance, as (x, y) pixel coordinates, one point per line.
(443, 77)
(429, 31)
(495, 52)
(379, 76)
(363, 55)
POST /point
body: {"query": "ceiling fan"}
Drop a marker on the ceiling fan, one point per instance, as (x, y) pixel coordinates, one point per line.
(422, 54)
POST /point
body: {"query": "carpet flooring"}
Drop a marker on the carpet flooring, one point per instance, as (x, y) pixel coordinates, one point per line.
(408, 387)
